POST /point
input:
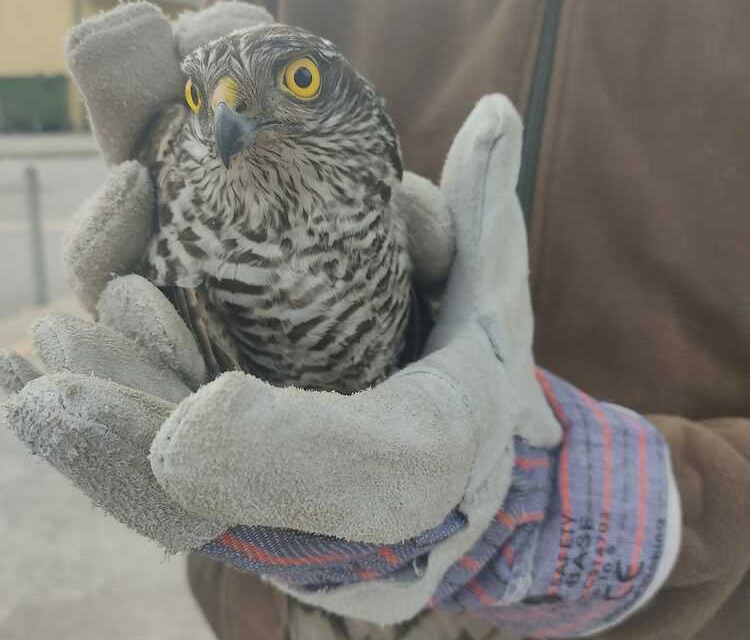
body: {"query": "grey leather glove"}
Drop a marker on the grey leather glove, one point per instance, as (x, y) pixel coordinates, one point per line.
(379, 466)
(108, 388)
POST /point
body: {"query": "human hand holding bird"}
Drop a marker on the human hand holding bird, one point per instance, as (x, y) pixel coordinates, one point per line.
(414, 496)
(378, 466)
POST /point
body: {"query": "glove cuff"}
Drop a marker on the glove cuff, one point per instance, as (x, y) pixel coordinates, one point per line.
(587, 534)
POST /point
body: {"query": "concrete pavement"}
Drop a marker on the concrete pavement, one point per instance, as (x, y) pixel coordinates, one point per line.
(47, 145)
(65, 182)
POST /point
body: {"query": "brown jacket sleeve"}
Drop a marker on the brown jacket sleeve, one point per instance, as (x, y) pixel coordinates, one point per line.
(237, 606)
(705, 597)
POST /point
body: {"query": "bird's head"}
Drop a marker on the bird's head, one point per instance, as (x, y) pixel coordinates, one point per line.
(280, 95)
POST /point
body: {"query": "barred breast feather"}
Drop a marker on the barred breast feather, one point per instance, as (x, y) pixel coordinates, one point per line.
(313, 287)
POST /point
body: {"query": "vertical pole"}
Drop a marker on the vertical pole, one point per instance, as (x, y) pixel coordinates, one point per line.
(36, 236)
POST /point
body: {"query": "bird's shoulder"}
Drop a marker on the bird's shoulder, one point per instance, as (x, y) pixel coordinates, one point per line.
(177, 163)
(163, 136)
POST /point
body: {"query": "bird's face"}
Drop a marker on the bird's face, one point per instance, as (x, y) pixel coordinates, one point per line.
(273, 92)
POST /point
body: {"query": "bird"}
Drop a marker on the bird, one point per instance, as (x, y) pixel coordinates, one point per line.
(276, 232)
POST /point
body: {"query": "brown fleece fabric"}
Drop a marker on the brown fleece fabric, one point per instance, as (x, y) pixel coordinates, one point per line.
(640, 238)
(238, 606)
(431, 59)
(641, 233)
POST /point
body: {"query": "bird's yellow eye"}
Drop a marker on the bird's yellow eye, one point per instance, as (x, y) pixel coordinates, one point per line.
(302, 78)
(192, 96)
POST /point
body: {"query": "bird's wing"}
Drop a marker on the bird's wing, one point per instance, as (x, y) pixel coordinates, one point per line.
(214, 341)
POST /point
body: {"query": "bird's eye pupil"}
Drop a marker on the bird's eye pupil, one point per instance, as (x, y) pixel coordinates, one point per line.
(303, 77)
(194, 94)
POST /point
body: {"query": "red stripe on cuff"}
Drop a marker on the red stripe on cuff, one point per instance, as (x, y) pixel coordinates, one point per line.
(251, 551)
(389, 556)
(481, 594)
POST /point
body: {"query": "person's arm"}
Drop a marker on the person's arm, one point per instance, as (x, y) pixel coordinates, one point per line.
(710, 458)
(711, 462)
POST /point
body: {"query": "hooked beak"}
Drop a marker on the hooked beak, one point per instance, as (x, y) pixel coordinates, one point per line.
(234, 132)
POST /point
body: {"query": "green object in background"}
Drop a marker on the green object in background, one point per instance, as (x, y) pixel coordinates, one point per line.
(34, 103)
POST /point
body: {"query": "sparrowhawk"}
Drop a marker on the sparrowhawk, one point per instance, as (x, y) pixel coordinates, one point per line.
(274, 184)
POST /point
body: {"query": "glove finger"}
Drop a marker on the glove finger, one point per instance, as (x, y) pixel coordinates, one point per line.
(110, 232)
(489, 282)
(430, 229)
(193, 29)
(124, 57)
(97, 433)
(15, 373)
(490, 271)
(136, 308)
(67, 344)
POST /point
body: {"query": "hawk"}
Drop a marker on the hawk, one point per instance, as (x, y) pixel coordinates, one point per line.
(277, 236)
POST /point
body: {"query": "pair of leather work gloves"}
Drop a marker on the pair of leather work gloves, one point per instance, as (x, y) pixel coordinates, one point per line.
(124, 408)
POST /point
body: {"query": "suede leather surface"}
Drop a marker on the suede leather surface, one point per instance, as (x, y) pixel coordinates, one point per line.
(430, 228)
(95, 413)
(193, 29)
(101, 242)
(99, 44)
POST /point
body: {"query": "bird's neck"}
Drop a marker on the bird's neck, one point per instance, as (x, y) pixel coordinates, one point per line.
(289, 199)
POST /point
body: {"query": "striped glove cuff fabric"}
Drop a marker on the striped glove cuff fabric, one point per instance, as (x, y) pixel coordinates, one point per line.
(587, 532)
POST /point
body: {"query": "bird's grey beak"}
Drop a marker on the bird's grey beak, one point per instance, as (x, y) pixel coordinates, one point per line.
(234, 132)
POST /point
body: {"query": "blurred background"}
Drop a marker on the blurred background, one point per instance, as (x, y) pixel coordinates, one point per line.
(67, 571)
(48, 160)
